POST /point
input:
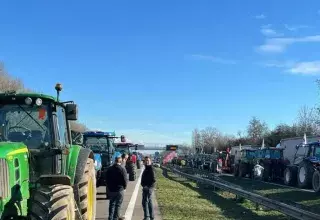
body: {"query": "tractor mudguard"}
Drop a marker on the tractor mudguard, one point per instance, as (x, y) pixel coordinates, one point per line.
(76, 162)
(83, 156)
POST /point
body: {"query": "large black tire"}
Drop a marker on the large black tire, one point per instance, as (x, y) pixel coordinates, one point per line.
(138, 164)
(242, 170)
(88, 192)
(236, 170)
(266, 171)
(54, 202)
(304, 175)
(316, 181)
(290, 176)
(131, 170)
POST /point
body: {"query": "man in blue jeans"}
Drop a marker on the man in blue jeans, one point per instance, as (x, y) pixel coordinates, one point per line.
(116, 179)
(148, 181)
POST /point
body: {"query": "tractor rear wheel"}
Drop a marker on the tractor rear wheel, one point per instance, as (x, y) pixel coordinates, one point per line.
(242, 170)
(290, 176)
(316, 181)
(87, 192)
(305, 173)
(53, 202)
(138, 164)
(131, 170)
(236, 170)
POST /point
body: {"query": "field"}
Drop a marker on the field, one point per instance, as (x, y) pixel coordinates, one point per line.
(180, 198)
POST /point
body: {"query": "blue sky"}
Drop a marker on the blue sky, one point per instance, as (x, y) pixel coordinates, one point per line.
(154, 70)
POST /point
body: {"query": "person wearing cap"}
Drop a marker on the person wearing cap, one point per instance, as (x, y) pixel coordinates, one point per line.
(116, 179)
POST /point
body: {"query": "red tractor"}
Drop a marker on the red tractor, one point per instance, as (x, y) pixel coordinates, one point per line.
(224, 162)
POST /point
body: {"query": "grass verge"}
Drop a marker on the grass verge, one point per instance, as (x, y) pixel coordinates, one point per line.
(179, 198)
(303, 199)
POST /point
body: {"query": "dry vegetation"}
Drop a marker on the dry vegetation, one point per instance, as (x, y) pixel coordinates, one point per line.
(9, 83)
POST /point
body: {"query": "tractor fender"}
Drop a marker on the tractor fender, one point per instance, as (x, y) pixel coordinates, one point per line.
(83, 156)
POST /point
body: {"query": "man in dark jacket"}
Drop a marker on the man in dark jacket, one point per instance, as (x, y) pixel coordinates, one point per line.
(116, 179)
(148, 181)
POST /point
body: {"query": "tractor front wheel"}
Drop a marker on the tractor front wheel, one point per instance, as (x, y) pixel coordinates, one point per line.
(138, 164)
(87, 192)
(316, 181)
(52, 202)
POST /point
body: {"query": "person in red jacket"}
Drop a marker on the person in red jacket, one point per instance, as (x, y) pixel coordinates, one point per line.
(134, 158)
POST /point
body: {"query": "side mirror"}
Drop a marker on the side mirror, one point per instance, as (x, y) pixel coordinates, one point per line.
(123, 139)
(72, 112)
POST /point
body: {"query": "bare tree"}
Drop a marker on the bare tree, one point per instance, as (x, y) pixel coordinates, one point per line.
(257, 130)
(208, 139)
(9, 83)
(196, 139)
(307, 121)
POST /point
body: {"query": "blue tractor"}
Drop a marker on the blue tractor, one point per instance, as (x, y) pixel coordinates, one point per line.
(102, 145)
(305, 168)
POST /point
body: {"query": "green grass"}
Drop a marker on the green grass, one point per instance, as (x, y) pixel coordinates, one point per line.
(306, 200)
(180, 198)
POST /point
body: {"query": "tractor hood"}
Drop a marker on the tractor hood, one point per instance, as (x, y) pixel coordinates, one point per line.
(10, 148)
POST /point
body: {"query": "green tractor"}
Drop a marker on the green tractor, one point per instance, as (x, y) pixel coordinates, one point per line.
(244, 166)
(43, 175)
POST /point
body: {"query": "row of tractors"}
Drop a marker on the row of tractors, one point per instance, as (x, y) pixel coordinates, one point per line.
(104, 148)
(302, 170)
(46, 170)
(298, 165)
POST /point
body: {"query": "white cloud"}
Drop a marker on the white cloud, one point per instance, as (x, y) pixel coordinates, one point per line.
(269, 32)
(295, 27)
(304, 68)
(261, 16)
(212, 59)
(278, 45)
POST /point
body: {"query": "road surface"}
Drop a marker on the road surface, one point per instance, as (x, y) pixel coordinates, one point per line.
(131, 206)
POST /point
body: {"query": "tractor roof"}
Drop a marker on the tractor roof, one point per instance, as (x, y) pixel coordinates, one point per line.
(99, 134)
(24, 95)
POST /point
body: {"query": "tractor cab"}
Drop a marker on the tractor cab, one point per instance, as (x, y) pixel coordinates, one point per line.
(102, 145)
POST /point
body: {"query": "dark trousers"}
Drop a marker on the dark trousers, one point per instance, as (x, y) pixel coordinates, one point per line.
(147, 203)
(115, 203)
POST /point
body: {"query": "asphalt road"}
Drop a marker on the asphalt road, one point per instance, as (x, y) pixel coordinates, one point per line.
(131, 206)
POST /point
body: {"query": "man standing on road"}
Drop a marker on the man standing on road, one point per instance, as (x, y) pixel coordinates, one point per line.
(148, 181)
(124, 159)
(116, 178)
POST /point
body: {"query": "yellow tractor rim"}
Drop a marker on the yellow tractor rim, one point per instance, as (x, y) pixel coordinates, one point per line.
(90, 199)
(69, 214)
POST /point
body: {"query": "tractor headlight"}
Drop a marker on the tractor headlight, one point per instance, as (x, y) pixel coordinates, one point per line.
(28, 101)
(38, 101)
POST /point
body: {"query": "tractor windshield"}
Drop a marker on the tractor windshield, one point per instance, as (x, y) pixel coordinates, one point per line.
(25, 123)
(123, 148)
(98, 144)
(317, 151)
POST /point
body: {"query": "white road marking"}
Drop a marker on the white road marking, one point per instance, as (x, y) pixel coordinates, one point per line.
(133, 199)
